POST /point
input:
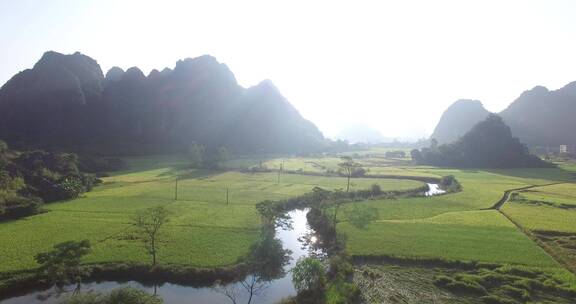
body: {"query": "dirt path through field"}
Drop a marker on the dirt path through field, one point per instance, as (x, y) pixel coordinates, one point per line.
(527, 232)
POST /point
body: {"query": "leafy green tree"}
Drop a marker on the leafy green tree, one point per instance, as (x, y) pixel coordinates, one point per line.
(52, 176)
(3, 154)
(216, 158)
(375, 189)
(62, 264)
(395, 154)
(309, 276)
(148, 224)
(222, 155)
(196, 154)
(71, 186)
(416, 155)
(433, 143)
(272, 215)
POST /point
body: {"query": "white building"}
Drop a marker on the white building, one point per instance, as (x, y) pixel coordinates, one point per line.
(567, 149)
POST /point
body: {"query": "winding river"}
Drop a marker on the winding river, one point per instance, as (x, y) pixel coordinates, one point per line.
(296, 239)
(292, 239)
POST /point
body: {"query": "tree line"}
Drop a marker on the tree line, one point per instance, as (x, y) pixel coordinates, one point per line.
(29, 179)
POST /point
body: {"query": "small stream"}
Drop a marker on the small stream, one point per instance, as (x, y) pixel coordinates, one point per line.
(297, 240)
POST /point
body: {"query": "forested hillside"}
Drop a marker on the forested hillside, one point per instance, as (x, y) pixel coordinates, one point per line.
(65, 101)
(489, 144)
(539, 117)
(29, 179)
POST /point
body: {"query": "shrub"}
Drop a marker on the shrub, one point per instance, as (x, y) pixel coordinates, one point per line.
(309, 275)
(450, 184)
(517, 271)
(339, 266)
(466, 287)
(375, 189)
(132, 296)
(443, 280)
(341, 292)
(516, 293)
(528, 284)
(460, 284)
(493, 299)
(70, 187)
(19, 206)
(126, 295)
(491, 280)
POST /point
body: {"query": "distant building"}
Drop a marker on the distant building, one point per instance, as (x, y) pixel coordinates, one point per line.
(567, 149)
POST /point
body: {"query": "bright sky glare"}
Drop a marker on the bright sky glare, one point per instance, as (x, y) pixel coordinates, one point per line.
(395, 65)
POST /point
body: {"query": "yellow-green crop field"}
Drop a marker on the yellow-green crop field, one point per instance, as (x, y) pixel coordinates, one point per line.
(204, 230)
(207, 231)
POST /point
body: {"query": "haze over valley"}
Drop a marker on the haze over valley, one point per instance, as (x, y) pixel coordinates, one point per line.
(287, 152)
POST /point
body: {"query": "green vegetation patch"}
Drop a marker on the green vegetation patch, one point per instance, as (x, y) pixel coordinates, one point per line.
(562, 195)
(507, 284)
(549, 212)
(496, 242)
(541, 217)
(407, 283)
(402, 284)
(213, 223)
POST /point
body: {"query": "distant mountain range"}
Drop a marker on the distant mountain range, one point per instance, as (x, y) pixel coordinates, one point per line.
(539, 117)
(65, 100)
(362, 133)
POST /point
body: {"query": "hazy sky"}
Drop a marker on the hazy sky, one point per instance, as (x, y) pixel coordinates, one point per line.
(395, 65)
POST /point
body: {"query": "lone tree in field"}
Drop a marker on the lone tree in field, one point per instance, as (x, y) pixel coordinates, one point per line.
(62, 264)
(350, 168)
(222, 155)
(148, 224)
(196, 154)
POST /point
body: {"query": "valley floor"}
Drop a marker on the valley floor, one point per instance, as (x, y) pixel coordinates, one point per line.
(205, 229)
(213, 220)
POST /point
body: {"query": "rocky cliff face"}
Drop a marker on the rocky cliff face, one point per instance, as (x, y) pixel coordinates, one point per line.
(539, 117)
(46, 103)
(458, 119)
(66, 100)
(542, 117)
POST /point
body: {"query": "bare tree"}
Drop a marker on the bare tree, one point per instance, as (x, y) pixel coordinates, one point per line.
(349, 168)
(232, 292)
(252, 286)
(148, 223)
(265, 263)
(255, 286)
